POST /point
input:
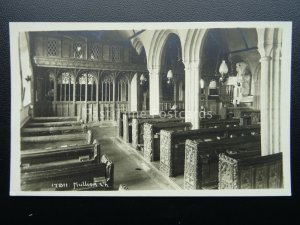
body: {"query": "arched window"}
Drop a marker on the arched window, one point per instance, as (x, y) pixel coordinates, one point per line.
(90, 80)
(65, 85)
(106, 88)
(122, 89)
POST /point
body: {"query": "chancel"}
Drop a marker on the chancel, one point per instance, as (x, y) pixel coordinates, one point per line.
(183, 109)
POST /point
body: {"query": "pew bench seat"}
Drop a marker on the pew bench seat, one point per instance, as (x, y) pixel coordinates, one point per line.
(152, 137)
(69, 175)
(138, 128)
(80, 152)
(244, 171)
(202, 158)
(172, 144)
(42, 131)
(53, 124)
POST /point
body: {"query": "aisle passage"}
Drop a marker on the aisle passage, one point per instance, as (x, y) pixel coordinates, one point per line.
(130, 169)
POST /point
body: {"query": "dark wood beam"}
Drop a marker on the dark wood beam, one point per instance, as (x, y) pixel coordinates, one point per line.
(136, 34)
(243, 50)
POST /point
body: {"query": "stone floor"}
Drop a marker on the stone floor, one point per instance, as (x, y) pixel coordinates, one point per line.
(130, 168)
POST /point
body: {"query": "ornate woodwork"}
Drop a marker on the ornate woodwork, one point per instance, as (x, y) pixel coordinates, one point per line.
(201, 159)
(148, 141)
(191, 167)
(166, 163)
(250, 172)
(86, 64)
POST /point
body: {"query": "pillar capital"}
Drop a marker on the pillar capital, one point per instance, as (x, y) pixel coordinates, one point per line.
(265, 59)
(154, 69)
(192, 64)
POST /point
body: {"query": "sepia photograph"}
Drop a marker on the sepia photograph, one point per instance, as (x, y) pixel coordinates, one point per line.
(150, 109)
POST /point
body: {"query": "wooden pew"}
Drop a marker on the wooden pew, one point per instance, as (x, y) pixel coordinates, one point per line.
(172, 144)
(244, 171)
(53, 119)
(80, 152)
(215, 123)
(96, 174)
(201, 159)
(53, 141)
(42, 131)
(152, 137)
(246, 115)
(127, 123)
(138, 128)
(53, 124)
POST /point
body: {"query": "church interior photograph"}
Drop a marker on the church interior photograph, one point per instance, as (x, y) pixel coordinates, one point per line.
(186, 109)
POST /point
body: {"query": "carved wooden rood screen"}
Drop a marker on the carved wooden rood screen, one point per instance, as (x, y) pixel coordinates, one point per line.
(87, 78)
(88, 94)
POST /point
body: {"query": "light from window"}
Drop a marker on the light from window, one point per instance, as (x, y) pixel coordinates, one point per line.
(77, 50)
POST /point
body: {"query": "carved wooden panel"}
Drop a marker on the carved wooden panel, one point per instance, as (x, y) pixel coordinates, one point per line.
(261, 177)
(246, 179)
(247, 173)
(86, 64)
(166, 163)
(227, 172)
(275, 175)
(190, 167)
(148, 141)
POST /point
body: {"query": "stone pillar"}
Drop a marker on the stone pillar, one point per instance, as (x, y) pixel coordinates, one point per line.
(269, 46)
(275, 125)
(265, 105)
(97, 99)
(55, 96)
(134, 93)
(85, 100)
(192, 93)
(74, 95)
(114, 101)
(154, 92)
(129, 96)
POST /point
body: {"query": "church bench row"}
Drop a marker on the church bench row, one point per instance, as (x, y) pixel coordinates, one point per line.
(172, 144)
(246, 115)
(152, 137)
(53, 119)
(39, 131)
(52, 141)
(63, 137)
(250, 172)
(87, 175)
(138, 128)
(80, 152)
(202, 158)
(120, 119)
(53, 124)
(214, 123)
(127, 124)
